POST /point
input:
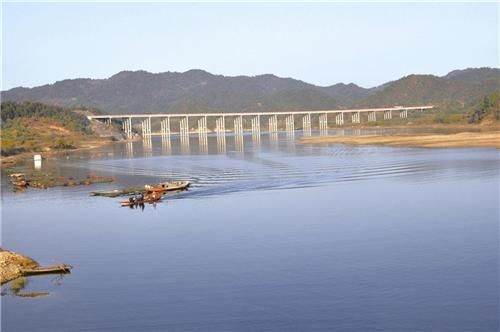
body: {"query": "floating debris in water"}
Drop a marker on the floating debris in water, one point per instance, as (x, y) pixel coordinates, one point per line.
(32, 294)
(47, 180)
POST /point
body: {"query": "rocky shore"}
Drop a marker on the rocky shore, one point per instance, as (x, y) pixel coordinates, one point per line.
(11, 265)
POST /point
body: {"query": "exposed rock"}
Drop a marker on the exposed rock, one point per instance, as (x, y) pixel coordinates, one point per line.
(11, 265)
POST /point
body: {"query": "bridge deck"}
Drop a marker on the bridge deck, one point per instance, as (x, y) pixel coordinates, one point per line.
(183, 115)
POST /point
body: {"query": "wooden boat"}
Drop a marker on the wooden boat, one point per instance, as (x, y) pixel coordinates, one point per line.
(161, 187)
(21, 183)
(150, 197)
(64, 268)
(169, 186)
(112, 193)
(18, 180)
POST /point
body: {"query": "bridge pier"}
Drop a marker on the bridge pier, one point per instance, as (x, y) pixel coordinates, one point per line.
(290, 126)
(127, 127)
(272, 118)
(323, 122)
(202, 126)
(339, 119)
(256, 125)
(387, 115)
(238, 125)
(165, 127)
(184, 127)
(146, 127)
(306, 124)
(356, 117)
(273, 124)
(372, 116)
(220, 125)
(290, 123)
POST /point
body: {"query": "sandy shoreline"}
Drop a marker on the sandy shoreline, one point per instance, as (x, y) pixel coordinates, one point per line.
(11, 161)
(487, 139)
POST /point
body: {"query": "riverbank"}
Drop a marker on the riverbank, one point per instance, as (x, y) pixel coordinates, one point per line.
(11, 265)
(11, 161)
(481, 139)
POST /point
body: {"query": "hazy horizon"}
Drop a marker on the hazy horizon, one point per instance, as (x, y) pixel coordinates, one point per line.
(367, 44)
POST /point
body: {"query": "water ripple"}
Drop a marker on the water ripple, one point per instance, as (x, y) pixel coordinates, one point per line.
(291, 165)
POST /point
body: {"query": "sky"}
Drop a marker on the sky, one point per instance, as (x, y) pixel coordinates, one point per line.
(320, 43)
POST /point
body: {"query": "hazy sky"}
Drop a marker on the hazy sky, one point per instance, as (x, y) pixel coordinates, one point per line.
(320, 43)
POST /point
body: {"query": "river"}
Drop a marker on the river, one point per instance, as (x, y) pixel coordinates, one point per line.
(272, 236)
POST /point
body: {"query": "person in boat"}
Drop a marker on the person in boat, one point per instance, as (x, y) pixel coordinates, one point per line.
(141, 197)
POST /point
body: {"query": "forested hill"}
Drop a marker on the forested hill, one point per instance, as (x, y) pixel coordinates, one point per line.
(28, 127)
(460, 86)
(200, 91)
(191, 91)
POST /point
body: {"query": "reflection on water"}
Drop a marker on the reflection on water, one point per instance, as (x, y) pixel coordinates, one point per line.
(239, 142)
(273, 235)
(147, 146)
(273, 141)
(225, 163)
(221, 143)
(216, 143)
(129, 149)
(33, 286)
(166, 145)
(203, 142)
(256, 142)
(185, 145)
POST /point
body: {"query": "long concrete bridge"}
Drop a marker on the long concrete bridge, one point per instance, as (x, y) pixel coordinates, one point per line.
(356, 115)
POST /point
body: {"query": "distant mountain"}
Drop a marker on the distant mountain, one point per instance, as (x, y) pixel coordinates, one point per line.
(192, 91)
(346, 94)
(200, 91)
(462, 86)
(474, 74)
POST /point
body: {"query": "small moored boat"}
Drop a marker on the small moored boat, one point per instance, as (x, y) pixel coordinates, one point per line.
(169, 186)
(64, 268)
(113, 193)
(18, 180)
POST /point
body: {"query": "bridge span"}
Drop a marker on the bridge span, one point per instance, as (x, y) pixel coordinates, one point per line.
(240, 119)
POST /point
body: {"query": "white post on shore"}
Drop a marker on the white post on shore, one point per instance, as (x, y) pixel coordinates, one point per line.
(37, 159)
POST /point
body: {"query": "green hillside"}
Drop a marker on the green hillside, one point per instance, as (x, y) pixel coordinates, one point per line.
(29, 127)
(428, 89)
(192, 91)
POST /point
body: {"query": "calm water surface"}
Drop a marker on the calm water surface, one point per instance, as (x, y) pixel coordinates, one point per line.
(272, 236)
